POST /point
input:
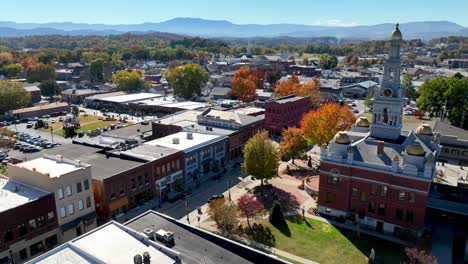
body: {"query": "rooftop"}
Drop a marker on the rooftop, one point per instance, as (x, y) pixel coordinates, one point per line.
(148, 152)
(181, 142)
(127, 98)
(111, 243)
(40, 107)
(82, 91)
(14, 194)
(101, 96)
(54, 167)
(101, 166)
(130, 131)
(287, 99)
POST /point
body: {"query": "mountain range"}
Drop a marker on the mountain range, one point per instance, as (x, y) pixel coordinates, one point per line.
(223, 28)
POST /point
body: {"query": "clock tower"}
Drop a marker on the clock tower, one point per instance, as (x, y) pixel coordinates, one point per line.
(387, 109)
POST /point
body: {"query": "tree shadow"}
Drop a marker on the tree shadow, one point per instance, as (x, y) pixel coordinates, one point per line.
(283, 227)
(267, 194)
(260, 234)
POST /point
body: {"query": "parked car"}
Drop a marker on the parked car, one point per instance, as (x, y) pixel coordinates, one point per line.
(215, 197)
(80, 134)
(29, 125)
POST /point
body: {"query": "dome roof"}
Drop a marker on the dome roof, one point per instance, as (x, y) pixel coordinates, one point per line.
(415, 149)
(342, 138)
(396, 34)
(362, 122)
(424, 129)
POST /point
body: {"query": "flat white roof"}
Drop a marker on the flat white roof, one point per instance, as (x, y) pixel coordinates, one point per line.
(14, 194)
(170, 101)
(130, 97)
(248, 110)
(53, 168)
(185, 144)
(111, 243)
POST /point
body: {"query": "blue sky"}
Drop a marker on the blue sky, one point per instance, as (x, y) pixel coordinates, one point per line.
(311, 12)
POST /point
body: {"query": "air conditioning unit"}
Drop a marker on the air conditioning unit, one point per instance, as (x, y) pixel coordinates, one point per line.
(175, 140)
(149, 233)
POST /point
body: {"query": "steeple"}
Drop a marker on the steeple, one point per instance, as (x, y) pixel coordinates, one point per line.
(387, 112)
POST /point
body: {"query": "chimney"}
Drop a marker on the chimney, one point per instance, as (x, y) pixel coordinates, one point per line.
(146, 258)
(189, 135)
(380, 147)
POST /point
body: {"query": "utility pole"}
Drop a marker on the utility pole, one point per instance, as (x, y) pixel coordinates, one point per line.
(187, 209)
(52, 134)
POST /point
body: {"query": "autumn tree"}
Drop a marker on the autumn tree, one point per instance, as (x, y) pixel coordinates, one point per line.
(249, 206)
(12, 96)
(272, 76)
(243, 86)
(415, 256)
(6, 138)
(261, 157)
(327, 61)
(258, 77)
(12, 70)
(287, 87)
(43, 72)
(321, 125)
(187, 80)
(29, 63)
(293, 145)
(224, 215)
(5, 58)
(130, 81)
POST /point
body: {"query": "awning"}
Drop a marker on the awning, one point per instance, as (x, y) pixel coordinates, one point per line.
(118, 204)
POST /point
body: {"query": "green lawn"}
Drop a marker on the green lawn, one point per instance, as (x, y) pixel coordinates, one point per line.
(88, 122)
(324, 243)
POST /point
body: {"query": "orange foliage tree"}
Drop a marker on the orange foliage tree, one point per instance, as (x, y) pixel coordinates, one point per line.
(293, 86)
(293, 145)
(258, 77)
(243, 85)
(29, 63)
(321, 125)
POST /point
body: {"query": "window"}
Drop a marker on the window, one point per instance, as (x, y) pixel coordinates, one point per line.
(383, 191)
(22, 230)
(329, 197)
(332, 180)
(32, 225)
(409, 216)
(23, 254)
(8, 235)
(122, 191)
(78, 187)
(80, 205)
(51, 217)
(401, 196)
(381, 210)
(399, 214)
(373, 189)
(36, 248)
(412, 197)
(63, 212)
(88, 202)
(140, 180)
(69, 190)
(371, 207)
(147, 179)
(41, 221)
(86, 184)
(354, 191)
(363, 197)
(112, 196)
(71, 209)
(60, 193)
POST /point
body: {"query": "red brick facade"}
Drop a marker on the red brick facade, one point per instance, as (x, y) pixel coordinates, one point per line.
(280, 115)
(393, 199)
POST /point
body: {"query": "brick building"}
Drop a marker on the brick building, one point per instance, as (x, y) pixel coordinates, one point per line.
(28, 221)
(377, 175)
(285, 112)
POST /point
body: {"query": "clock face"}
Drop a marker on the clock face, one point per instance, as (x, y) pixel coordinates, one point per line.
(388, 92)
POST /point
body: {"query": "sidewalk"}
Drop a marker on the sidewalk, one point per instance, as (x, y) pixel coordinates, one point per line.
(292, 257)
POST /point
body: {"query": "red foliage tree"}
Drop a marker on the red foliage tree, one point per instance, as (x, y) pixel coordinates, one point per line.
(243, 86)
(415, 256)
(249, 206)
(258, 77)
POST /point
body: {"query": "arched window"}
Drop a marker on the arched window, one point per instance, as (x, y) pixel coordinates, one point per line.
(385, 116)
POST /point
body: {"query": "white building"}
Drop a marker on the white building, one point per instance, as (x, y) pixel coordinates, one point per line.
(71, 183)
(204, 153)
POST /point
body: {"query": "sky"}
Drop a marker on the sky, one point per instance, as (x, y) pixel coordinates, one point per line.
(309, 12)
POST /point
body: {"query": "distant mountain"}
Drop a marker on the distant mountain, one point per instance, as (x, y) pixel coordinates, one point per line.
(223, 28)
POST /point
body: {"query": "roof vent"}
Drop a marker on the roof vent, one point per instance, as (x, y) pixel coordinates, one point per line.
(175, 140)
(189, 135)
(34, 169)
(137, 259)
(16, 189)
(146, 258)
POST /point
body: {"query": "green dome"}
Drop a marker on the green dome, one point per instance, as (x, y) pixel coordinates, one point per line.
(396, 34)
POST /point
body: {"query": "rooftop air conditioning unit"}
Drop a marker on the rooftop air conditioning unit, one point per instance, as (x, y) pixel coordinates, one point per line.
(175, 140)
(189, 135)
(149, 233)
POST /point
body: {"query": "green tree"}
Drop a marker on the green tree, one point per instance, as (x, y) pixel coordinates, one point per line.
(224, 215)
(96, 70)
(261, 157)
(12, 96)
(432, 98)
(327, 61)
(407, 83)
(276, 216)
(12, 70)
(50, 88)
(368, 100)
(130, 81)
(305, 62)
(43, 72)
(187, 80)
